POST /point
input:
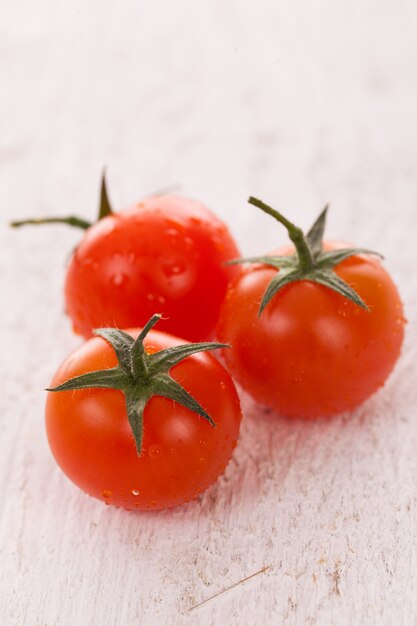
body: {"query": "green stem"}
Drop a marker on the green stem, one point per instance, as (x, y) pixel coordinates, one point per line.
(296, 235)
(71, 220)
(105, 206)
(138, 353)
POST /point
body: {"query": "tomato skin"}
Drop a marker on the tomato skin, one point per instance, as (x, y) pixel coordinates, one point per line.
(167, 255)
(90, 437)
(312, 352)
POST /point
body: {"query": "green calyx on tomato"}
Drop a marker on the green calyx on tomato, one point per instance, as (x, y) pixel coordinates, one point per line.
(141, 375)
(72, 220)
(309, 262)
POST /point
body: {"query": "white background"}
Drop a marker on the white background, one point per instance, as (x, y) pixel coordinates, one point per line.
(300, 103)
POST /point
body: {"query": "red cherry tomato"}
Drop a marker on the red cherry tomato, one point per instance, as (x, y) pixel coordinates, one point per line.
(166, 254)
(312, 352)
(182, 453)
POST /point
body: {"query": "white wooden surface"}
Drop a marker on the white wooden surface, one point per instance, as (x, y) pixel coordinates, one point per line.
(300, 103)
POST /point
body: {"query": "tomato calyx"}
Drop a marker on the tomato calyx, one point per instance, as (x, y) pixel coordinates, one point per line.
(72, 220)
(309, 261)
(141, 375)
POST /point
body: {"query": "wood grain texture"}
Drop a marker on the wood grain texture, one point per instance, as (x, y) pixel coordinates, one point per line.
(298, 103)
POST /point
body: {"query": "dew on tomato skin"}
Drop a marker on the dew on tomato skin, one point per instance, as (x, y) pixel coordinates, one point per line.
(161, 299)
(150, 297)
(90, 263)
(135, 492)
(220, 228)
(154, 451)
(202, 459)
(173, 269)
(189, 243)
(171, 232)
(203, 443)
(107, 493)
(119, 279)
(217, 241)
(222, 385)
(150, 349)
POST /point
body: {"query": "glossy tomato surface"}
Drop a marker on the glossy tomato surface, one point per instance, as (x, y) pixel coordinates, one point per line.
(312, 352)
(165, 255)
(182, 454)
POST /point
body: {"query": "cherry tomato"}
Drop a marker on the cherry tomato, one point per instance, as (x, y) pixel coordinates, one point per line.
(312, 351)
(181, 453)
(166, 254)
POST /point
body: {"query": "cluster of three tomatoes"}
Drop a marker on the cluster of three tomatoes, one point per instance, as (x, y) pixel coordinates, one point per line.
(148, 419)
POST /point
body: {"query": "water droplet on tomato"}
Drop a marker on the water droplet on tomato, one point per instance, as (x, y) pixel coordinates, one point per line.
(203, 443)
(119, 279)
(189, 243)
(150, 349)
(223, 384)
(107, 493)
(90, 263)
(171, 232)
(154, 451)
(202, 459)
(217, 241)
(150, 297)
(161, 299)
(173, 269)
(135, 492)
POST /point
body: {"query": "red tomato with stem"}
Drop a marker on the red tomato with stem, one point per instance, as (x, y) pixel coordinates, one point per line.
(167, 253)
(314, 330)
(145, 424)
